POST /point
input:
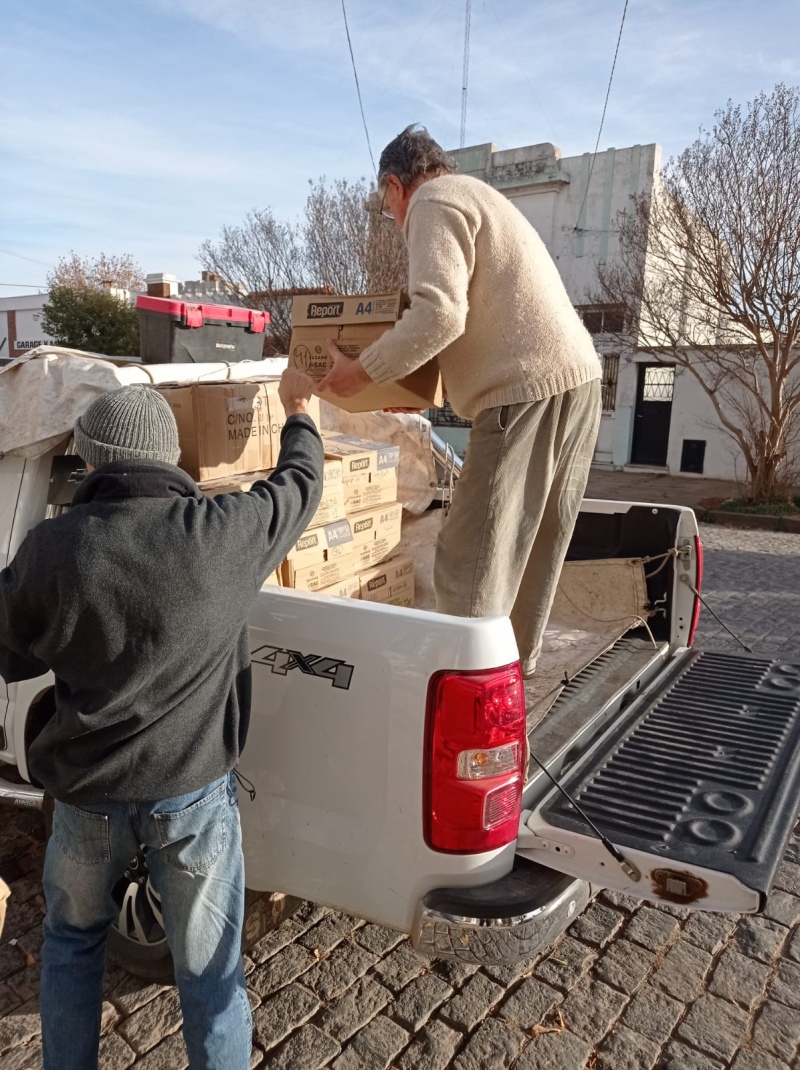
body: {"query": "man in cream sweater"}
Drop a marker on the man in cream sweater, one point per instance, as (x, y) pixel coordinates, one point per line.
(487, 300)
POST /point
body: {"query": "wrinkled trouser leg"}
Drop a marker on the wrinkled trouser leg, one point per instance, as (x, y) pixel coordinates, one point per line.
(503, 543)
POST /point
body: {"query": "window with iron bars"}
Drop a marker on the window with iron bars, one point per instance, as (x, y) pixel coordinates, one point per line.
(608, 384)
(602, 319)
(445, 417)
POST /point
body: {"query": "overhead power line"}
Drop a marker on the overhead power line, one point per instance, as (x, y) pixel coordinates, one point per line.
(465, 75)
(23, 285)
(603, 116)
(358, 87)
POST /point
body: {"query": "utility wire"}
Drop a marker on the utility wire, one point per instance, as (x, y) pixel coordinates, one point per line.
(19, 256)
(358, 88)
(24, 285)
(603, 117)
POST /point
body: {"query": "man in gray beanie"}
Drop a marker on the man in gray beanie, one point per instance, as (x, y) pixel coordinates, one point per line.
(137, 600)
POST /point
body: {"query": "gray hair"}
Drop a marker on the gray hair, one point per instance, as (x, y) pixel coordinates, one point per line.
(413, 155)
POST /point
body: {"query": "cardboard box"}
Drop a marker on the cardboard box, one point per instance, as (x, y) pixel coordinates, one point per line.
(332, 504)
(353, 323)
(349, 588)
(360, 456)
(273, 580)
(323, 575)
(376, 533)
(317, 549)
(391, 582)
(226, 429)
(367, 490)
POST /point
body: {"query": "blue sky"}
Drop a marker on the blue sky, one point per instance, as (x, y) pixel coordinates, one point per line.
(144, 126)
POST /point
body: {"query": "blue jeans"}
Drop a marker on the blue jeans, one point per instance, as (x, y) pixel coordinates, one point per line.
(193, 847)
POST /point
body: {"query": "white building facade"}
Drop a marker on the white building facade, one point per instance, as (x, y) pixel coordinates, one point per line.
(654, 415)
(21, 325)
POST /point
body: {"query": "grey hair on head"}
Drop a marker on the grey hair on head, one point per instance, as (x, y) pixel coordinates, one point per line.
(413, 155)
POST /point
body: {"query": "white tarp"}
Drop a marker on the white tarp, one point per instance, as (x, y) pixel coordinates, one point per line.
(43, 393)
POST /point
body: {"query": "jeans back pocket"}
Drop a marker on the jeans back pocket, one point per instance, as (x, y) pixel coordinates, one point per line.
(82, 836)
(194, 837)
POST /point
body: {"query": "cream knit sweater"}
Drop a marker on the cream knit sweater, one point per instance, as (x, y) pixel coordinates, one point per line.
(487, 299)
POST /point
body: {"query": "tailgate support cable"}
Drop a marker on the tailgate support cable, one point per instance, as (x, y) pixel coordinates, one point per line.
(627, 867)
(685, 579)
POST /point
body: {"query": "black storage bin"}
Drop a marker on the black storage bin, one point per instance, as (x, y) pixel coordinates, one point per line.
(175, 332)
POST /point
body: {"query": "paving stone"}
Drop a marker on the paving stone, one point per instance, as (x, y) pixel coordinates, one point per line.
(777, 1030)
(28, 1057)
(653, 1014)
(401, 966)
(115, 1053)
(256, 1058)
(708, 931)
(624, 965)
(758, 938)
(432, 1049)
(590, 1008)
(21, 1026)
(714, 1026)
(739, 979)
(597, 924)
(793, 946)
(473, 1003)
(619, 900)
(376, 938)
(308, 914)
(274, 941)
(152, 1022)
(23, 915)
(282, 1013)
(626, 1050)
(753, 1058)
(678, 1056)
(131, 993)
(342, 968)
(307, 1049)
(682, 971)
(374, 1047)
(280, 970)
(787, 877)
(567, 962)
(8, 999)
(559, 1050)
(493, 1046)
(783, 907)
(681, 913)
(530, 1003)
(785, 985)
(454, 972)
(651, 928)
(328, 933)
(12, 960)
(169, 1055)
(419, 999)
(509, 973)
(354, 1008)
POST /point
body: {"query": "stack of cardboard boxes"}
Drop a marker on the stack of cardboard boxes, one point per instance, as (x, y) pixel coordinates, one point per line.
(230, 437)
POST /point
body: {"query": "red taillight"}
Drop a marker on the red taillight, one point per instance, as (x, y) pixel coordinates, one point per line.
(698, 585)
(474, 759)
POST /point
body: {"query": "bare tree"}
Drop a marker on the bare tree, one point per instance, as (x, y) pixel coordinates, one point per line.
(341, 245)
(709, 277)
(96, 273)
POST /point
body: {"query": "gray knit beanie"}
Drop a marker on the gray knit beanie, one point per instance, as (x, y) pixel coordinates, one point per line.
(133, 423)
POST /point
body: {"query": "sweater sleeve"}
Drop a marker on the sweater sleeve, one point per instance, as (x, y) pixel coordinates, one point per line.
(287, 501)
(441, 259)
(19, 627)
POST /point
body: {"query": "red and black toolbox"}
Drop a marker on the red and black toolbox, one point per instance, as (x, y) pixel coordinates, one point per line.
(172, 331)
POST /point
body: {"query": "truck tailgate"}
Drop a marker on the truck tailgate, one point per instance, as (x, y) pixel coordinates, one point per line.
(697, 785)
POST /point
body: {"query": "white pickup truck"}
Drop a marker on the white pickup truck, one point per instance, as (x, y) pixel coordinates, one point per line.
(398, 776)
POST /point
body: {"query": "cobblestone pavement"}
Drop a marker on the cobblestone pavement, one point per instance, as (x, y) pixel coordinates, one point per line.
(627, 987)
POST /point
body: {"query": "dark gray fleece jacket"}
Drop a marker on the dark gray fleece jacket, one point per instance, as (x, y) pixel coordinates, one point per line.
(137, 599)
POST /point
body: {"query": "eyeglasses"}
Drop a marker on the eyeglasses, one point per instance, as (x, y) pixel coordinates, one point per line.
(384, 211)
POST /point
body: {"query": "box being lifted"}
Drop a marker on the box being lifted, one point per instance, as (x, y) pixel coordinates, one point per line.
(353, 323)
(177, 332)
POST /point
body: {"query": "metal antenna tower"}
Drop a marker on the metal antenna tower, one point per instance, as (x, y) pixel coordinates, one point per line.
(465, 76)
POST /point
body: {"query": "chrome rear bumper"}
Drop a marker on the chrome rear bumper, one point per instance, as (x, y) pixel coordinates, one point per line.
(21, 795)
(504, 922)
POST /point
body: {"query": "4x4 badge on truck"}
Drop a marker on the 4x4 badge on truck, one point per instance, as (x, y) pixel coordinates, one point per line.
(336, 672)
